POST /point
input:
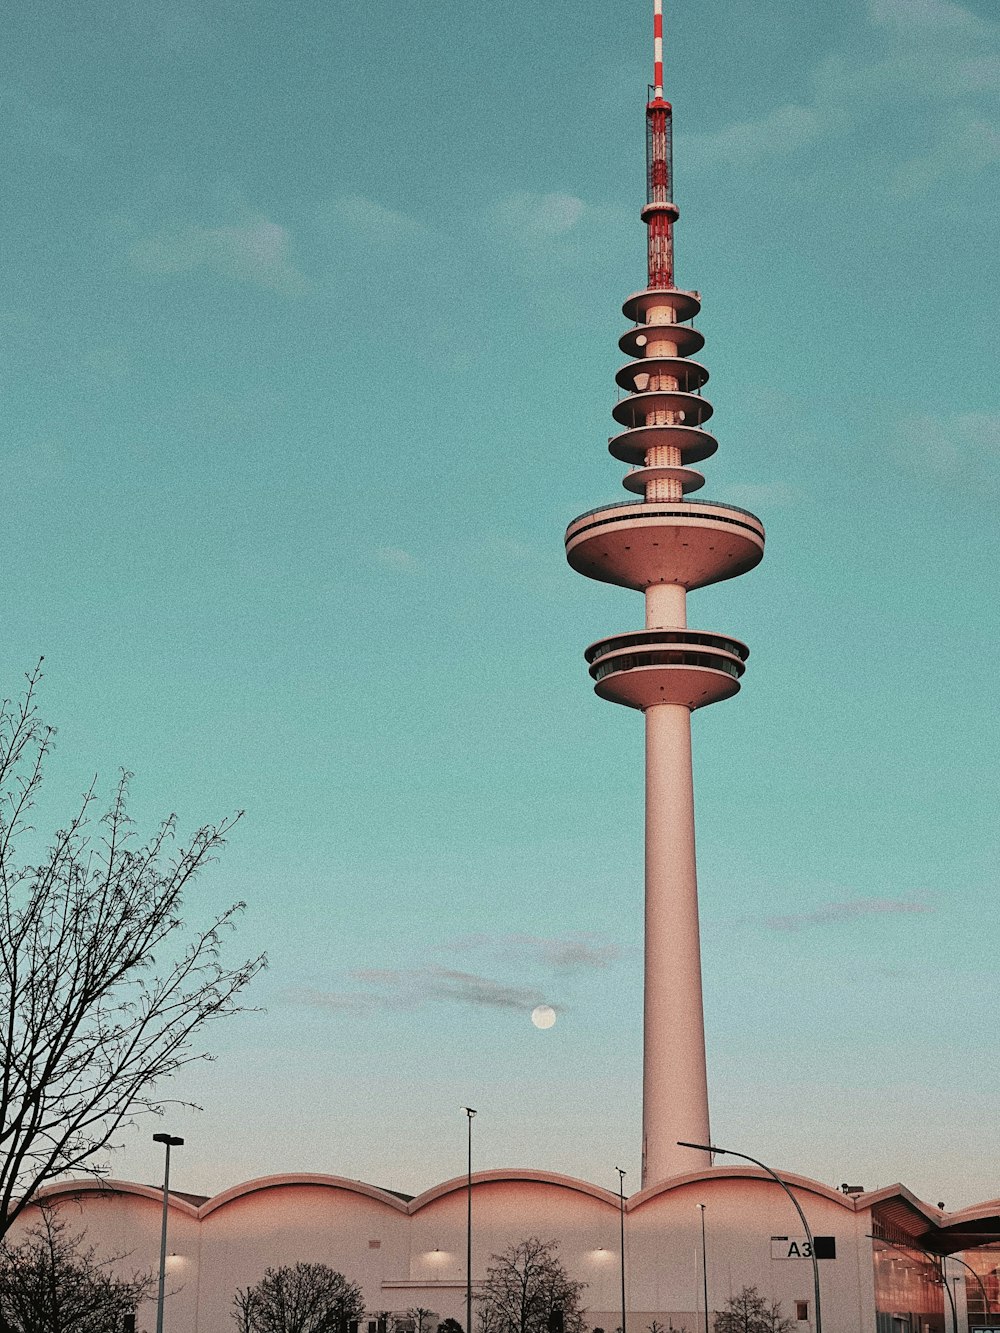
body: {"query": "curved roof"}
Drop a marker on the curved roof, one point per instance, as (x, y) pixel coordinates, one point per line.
(184, 1203)
(296, 1178)
(894, 1207)
(516, 1173)
(740, 1172)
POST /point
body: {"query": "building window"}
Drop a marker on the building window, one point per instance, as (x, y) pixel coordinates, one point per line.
(374, 1244)
(801, 1311)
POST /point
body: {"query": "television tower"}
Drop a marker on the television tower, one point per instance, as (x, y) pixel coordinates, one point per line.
(664, 545)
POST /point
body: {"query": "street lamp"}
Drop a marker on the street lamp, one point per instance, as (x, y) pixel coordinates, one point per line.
(621, 1215)
(704, 1264)
(168, 1142)
(731, 1152)
(468, 1231)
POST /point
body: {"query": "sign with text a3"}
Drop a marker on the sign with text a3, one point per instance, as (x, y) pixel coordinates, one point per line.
(797, 1247)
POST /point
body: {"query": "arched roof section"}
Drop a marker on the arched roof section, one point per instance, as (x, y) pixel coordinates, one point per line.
(296, 1179)
(68, 1189)
(510, 1175)
(738, 1172)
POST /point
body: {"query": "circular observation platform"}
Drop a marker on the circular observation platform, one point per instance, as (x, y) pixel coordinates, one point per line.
(690, 542)
(633, 445)
(634, 410)
(640, 478)
(690, 375)
(684, 305)
(667, 666)
(684, 338)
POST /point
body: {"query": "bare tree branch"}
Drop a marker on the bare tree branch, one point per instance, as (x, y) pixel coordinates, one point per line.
(103, 992)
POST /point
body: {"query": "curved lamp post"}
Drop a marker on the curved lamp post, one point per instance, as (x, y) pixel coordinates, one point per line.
(168, 1142)
(468, 1230)
(704, 1264)
(621, 1213)
(731, 1152)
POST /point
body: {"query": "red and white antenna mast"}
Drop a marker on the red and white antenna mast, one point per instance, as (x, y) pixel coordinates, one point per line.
(660, 212)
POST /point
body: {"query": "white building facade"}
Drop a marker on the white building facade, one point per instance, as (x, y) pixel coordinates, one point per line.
(409, 1253)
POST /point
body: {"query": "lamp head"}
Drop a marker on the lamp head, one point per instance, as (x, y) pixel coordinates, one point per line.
(168, 1140)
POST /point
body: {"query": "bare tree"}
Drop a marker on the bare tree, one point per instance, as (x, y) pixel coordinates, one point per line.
(749, 1312)
(423, 1320)
(306, 1298)
(50, 1283)
(102, 991)
(527, 1290)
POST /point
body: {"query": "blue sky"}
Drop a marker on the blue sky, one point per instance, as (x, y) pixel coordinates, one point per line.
(308, 341)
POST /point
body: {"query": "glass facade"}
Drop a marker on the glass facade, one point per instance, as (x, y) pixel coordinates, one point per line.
(909, 1296)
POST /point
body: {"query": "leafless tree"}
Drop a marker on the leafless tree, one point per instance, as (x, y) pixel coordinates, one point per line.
(306, 1298)
(103, 992)
(51, 1283)
(527, 1290)
(749, 1312)
(422, 1319)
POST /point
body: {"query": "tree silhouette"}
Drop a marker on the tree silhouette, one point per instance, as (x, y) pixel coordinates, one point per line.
(749, 1312)
(102, 993)
(527, 1290)
(49, 1283)
(306, 1298)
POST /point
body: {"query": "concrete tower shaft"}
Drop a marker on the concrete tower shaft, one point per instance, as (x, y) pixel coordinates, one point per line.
(664, 545)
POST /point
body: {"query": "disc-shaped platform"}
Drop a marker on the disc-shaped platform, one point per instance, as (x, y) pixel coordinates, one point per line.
(690, 542)
(660, 666)
(638, 480)
(633, 410)
(686, 339)
(685, 305)
(688, 374)
(632, 446)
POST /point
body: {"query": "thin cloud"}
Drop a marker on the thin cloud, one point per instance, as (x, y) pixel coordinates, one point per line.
(257, 252)
(389, 988)
(837, 913)
(922, 50)
(963, 445)
(395, 557)
(563, 953)
(531, 214)
(779, 132)
(372, 218)
(764, 495)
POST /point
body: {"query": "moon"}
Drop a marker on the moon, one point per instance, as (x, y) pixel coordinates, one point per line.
(543, 1015)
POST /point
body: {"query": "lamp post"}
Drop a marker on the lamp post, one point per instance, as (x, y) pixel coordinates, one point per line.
(468, 1229)
(168, 1141)
(730, 1152)
(704, 1264)
(621, 1217)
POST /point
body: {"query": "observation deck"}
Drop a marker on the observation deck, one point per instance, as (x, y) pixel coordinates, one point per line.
(692, 543)
(673, 666)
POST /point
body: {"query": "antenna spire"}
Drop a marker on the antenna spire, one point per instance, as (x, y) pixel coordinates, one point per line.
(657, 49)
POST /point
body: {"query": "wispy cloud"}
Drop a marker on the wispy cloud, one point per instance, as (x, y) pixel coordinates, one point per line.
(257, 252)
(935, 53)
(967, 443)
(42, 126)
(387, 988)
(778, 132)
(372, 218)
(395, 557)
(764, 495)
(563, 953)
(965, 145)
(534, 215)
(837, 913)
